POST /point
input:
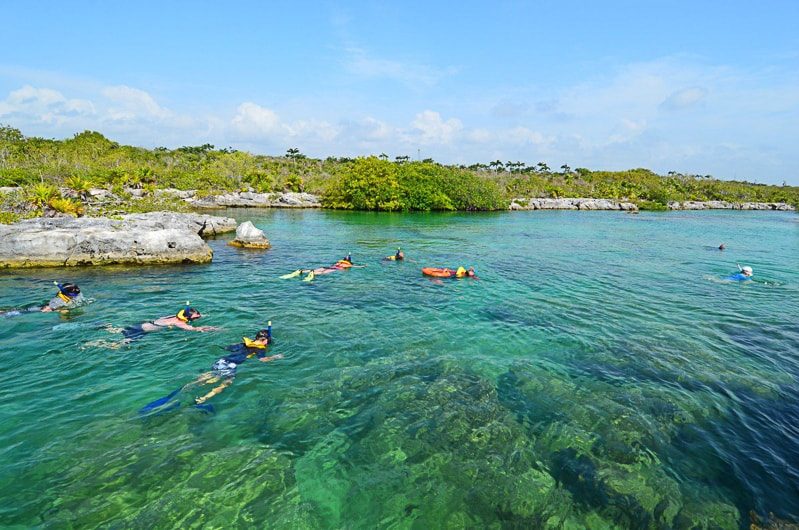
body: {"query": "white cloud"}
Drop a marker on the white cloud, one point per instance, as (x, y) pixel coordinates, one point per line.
(132, 103)
(433, 130)
(43, 105)
(523, 135)
(253, 119)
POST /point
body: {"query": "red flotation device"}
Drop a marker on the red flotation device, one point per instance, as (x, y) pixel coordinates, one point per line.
(437, 272)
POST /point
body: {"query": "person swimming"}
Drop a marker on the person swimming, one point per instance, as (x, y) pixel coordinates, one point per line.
(182, 320)
(344, 263)
(68, 297)
(743, 274)
(399, 255)
(223, 371)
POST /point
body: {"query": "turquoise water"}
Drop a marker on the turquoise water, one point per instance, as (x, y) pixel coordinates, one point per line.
(598, 375)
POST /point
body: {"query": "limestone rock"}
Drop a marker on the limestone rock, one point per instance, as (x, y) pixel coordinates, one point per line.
(248, 236)
(571, 204)
(248, 199)
(153, 238)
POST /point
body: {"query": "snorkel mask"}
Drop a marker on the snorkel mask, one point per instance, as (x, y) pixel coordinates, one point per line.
(67, 291)
(261, 335)
(188, 313)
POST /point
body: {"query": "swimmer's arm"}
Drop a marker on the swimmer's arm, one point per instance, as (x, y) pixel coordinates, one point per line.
(189, 327)
(272, 358)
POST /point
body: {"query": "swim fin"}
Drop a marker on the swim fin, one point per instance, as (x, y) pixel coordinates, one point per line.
(161, 402)
(310, 277)
(291, 274)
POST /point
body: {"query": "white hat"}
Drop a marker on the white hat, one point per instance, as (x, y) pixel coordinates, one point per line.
(747, 270)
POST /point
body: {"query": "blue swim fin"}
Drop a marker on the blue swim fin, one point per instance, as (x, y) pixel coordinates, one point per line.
(161, 402)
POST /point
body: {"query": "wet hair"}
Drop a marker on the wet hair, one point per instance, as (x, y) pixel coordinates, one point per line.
(264, 334)
(69, 289)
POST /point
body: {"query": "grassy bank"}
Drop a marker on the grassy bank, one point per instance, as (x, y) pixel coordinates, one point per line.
(41, 169)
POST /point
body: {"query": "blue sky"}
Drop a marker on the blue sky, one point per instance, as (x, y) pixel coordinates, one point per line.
(697, 87)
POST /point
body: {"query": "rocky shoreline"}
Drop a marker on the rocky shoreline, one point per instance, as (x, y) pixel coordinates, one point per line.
(724, 205)
(609, 204)
(150, 238)
(245, 199)
(571, 204)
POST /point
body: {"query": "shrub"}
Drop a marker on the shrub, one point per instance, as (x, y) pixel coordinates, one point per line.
(7, 218)
(652, 206)
(369, 184)
(67, 206)
(294, 183)
(42, 193)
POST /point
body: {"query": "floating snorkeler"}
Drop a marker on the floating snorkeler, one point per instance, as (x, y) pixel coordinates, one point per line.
(223, 371)
(181, 320)
(460, 272)
(399, 255)
(68, 297)
(744, 274)
(344, 263)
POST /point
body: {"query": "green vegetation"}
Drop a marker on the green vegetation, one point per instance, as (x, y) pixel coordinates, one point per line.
(45, 169)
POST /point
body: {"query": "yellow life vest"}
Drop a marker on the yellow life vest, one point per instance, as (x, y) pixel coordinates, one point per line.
(253, 344)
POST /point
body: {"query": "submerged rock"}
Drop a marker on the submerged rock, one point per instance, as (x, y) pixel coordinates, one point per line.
(247, 236)
(151, 238)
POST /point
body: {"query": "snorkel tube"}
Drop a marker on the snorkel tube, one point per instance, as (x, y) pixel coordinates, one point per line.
(67, 291)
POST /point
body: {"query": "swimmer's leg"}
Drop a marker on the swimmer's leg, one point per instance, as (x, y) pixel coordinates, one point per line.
(216, 390)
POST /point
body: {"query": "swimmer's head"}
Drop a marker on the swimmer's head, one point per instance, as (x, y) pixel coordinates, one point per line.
(746, 270)
(188, 314)
(69, 289)
(264, 334)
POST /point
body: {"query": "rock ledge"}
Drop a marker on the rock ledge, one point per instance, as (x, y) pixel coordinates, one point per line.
(151, 238)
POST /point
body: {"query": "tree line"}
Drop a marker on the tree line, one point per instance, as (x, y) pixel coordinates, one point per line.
(88, 160)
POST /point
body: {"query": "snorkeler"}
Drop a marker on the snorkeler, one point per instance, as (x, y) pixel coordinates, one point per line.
(398, 256)
(223, 371)
(181, 320)
(446, 272)
(344, 263)
(743, 274)
(68, 297)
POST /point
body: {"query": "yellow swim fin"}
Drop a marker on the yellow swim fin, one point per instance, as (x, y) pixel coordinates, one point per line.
(291, 274)
(310, 277)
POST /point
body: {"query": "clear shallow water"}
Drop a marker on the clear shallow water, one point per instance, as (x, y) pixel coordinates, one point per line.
(599, 374)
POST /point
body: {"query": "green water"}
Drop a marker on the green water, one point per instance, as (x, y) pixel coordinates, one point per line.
(598, 375)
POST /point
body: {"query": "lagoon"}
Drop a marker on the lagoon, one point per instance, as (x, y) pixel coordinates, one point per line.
(599, 374)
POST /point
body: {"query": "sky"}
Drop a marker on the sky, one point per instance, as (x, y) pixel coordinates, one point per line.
(703, 88)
